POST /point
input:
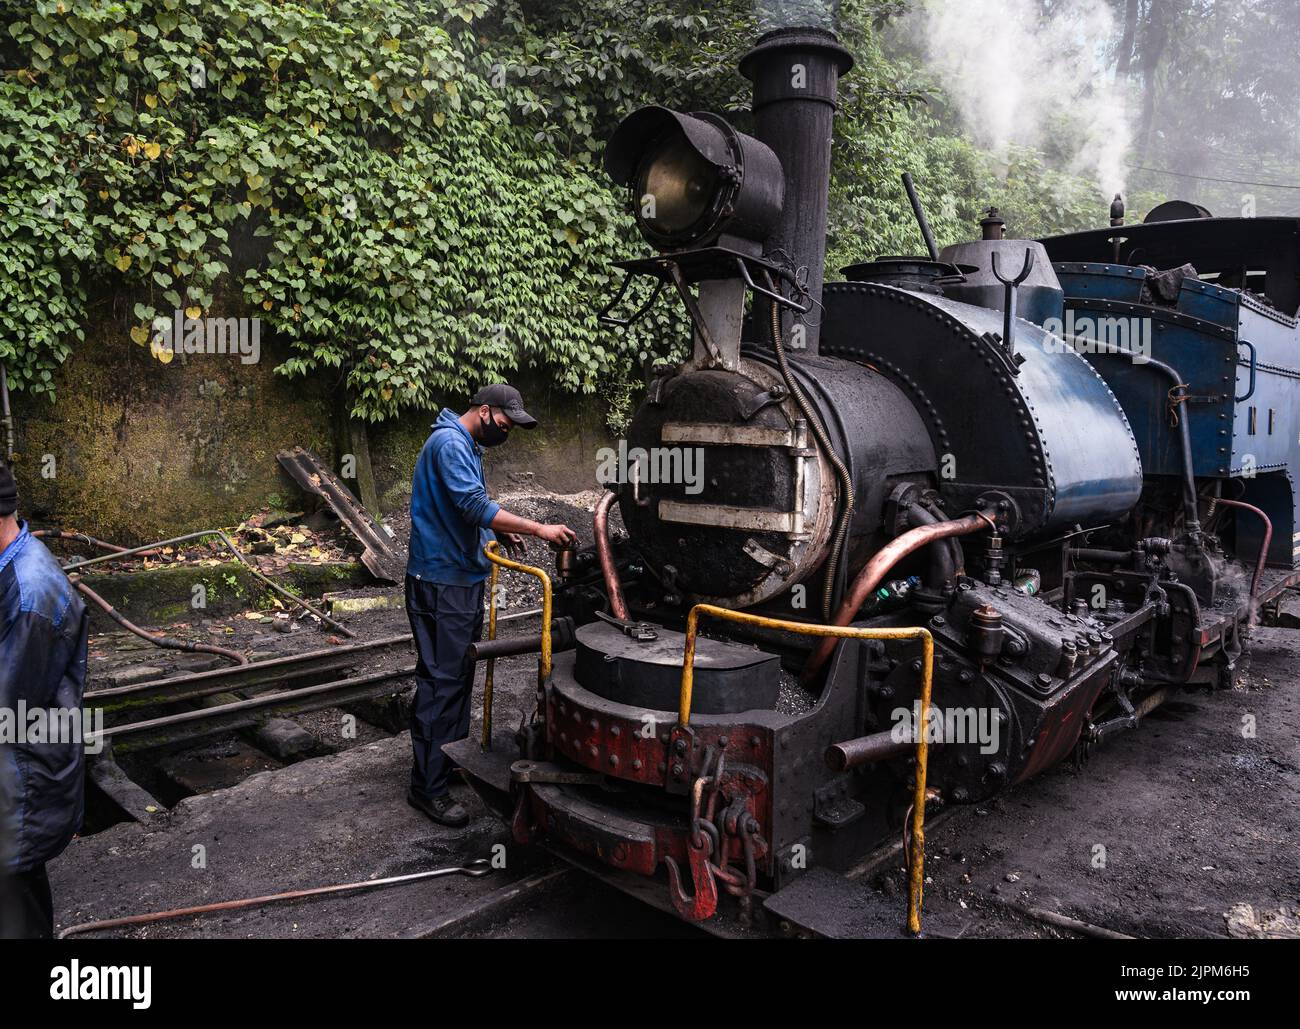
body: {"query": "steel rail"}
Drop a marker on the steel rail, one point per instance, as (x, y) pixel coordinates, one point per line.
(255, 673)
(917, 862)
(225, 717)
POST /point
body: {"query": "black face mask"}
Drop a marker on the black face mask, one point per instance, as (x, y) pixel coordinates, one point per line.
(490, 433)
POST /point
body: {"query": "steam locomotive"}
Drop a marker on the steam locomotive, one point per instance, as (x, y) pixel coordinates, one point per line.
(961, 516)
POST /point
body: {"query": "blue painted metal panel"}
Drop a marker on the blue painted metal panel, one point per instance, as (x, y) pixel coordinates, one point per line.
(1095, 467)
(1204, 356)
(1208, 302)
(1100, 281)
(1266, 429)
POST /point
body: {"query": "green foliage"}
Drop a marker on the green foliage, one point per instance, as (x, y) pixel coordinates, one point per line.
(409, 195)
(347, 166)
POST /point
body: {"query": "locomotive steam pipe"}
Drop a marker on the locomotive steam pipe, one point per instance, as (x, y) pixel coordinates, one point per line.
(823, 441)
(875, 570)
(1176, 399)
(512, 646)
(1253, 616)
(617, 605)
(879, 746)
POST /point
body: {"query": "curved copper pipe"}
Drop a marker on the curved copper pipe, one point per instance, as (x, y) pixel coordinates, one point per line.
(1253, 619)
(875, 570)
(166, 642)
(617, 606)
(80, 537)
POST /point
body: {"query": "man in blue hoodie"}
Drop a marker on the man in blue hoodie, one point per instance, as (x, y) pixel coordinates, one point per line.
(43, 629)
(452, 520)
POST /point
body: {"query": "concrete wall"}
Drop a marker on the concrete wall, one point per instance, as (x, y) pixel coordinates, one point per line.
(135, 450)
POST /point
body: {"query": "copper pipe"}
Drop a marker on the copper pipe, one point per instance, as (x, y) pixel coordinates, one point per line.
(878, 567)
(166, 642)
(879, 746)
(1253, 618)
(80, 537)
(617, 606)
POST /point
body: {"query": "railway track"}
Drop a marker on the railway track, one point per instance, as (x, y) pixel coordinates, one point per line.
(227, 699)
(236, 697)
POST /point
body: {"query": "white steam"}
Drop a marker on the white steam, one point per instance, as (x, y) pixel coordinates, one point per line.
(1017, 77)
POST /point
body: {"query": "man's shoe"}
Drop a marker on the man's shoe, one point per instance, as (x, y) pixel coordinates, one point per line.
(444, 810)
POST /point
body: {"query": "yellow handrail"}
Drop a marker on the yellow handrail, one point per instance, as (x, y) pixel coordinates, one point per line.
(917, 880)
(492, 550)
(485, 743)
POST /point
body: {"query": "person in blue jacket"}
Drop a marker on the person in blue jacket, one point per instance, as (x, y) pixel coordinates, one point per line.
(43, 627)
(452, 520)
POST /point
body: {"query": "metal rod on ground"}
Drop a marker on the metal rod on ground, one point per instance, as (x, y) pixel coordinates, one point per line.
(79, 537)
(165, 642)
(532, 612)
(474, 869)
(234, 550)
(1066, 922)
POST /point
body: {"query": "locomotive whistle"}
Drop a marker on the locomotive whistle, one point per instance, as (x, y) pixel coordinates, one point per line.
(1009, 297)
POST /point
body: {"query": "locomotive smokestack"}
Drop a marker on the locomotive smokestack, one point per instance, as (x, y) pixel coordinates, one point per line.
(795, 72)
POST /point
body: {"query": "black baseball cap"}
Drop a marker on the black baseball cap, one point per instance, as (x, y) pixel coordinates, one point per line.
(508, 399)
(8, 491)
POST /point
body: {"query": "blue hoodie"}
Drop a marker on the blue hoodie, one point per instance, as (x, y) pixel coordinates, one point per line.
(43, 627)
(450, 508)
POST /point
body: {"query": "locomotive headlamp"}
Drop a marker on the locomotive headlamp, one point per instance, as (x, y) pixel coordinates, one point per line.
(695, 180)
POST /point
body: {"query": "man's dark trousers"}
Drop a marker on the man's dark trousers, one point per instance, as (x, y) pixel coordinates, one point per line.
(26, 907)
(445, 620)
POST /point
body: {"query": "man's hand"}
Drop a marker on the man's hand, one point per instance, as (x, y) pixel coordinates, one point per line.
(513, 542)
(557, 535)
(506, 524)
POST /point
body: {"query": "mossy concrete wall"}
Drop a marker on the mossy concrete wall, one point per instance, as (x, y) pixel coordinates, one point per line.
(135, 450)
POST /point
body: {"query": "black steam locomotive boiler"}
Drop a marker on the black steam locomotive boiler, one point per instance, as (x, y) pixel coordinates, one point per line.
(955, 519)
